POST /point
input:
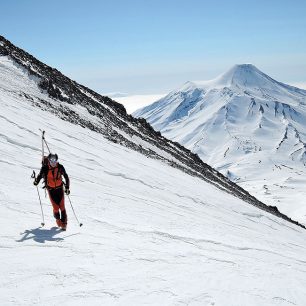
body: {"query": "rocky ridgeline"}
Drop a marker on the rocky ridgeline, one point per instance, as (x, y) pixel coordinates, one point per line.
(113, 116)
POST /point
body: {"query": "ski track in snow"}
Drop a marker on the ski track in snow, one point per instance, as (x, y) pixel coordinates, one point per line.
(152, 235)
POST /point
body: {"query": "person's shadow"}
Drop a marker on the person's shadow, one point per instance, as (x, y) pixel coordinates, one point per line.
(41, 235)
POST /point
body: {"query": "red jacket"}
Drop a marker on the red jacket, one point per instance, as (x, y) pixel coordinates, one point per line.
(53, 176)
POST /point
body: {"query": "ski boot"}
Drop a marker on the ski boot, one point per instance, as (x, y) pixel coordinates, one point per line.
(63, 226)
(59, 222)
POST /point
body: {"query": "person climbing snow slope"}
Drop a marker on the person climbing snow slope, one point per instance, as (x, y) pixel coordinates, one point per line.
(52, 172)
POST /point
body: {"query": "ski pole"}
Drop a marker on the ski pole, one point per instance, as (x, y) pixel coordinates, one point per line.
(42, 212)
(74, 212)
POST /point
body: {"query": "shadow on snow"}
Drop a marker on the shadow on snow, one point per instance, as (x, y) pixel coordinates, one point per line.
(41, 235)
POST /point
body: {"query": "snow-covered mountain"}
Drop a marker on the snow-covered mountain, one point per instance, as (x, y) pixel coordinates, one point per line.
(246, 125)
(160, 226)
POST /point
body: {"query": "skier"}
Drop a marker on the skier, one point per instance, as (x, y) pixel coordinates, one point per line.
(52, 172)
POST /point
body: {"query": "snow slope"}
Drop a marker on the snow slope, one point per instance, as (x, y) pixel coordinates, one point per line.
(246, 125)
(152, 234)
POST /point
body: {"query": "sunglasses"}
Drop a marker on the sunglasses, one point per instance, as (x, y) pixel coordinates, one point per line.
(53, 161)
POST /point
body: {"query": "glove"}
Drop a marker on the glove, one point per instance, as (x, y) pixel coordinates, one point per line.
(67, 191)
(35, 182)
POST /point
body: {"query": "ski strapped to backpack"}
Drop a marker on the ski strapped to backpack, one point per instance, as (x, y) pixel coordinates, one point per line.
(44, 159)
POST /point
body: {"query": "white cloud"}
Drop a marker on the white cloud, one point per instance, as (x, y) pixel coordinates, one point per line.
(134, 102)
(301, 85)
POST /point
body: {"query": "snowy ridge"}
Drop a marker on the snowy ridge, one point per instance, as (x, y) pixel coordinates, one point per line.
(244, 76)
(152, 234)
(246, 125)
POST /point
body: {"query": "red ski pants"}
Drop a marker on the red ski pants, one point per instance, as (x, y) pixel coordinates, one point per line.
(58, 203)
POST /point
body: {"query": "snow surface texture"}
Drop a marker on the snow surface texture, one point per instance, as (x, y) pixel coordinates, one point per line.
(246, 125)
(152, 234)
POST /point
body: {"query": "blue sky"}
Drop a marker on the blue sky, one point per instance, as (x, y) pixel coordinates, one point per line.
(151, 46)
